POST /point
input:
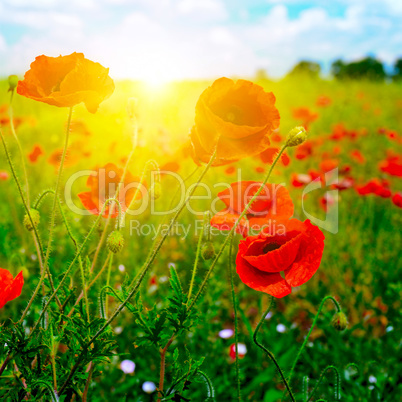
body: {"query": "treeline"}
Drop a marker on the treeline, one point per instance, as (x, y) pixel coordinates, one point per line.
(368, 68)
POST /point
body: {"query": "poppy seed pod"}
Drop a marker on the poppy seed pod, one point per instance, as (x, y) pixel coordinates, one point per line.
(208, 251)
(35, 219)
(339, 321)
(115, 242)
(296, 136)
(12, 82)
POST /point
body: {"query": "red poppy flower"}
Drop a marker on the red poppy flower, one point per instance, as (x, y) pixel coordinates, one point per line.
(300, 180)
(305, 115)
(304, 150)
(397, 199)
(273, 202)
(35, 153)
(235, 118)
(375, 186)
(241, 350)
(10, 288)
(66, 81)
(344, 184)
(103, 183)
(392, 165)
(293, 247)
(358, 156)
(328, 165)
(4, 175)
(323, 101)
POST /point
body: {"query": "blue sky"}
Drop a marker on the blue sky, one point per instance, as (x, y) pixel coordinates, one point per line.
(175, 39)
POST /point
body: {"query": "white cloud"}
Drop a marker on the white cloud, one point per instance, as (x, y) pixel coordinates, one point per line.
(211, 9)
(192, 38)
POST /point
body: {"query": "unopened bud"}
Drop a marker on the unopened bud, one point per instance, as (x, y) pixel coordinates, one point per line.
(156, 190)
(296, 136)
(208, 251)
(339, 321)
(12, 82)
(35, 219)
(115, 242)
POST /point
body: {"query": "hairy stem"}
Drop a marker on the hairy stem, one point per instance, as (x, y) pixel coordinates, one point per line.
(270, 354)
(338, 307)
(77, 255)
(162, 368)
(234, 300)
(197, 257)
(141, 277)
(24, 167)
(225, 243)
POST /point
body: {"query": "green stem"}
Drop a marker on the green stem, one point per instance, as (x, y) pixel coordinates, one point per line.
(234, 300)
(35, 230)
(56, 195)
(225, 243)
(77, 255)
(143, 273)
(337, 382)
(24, 167)
(197, 257)
(338, 307)
(270, 354)
(109, 270)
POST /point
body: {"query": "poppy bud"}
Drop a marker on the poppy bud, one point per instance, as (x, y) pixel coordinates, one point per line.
(35, 219)
(12, 82)
(115, 242)
(208, 251)
(296, 136)
(339, 321)
(156, 191)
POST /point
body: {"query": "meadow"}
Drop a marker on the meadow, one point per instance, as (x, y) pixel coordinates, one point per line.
(352, 126)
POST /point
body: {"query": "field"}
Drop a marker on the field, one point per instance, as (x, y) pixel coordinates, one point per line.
(354, 127)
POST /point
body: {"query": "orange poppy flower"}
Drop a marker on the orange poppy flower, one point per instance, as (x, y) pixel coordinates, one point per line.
(305, 115)
(103, 183)
(66, 81)
(273, 202)
(235, 118)
(10, 288)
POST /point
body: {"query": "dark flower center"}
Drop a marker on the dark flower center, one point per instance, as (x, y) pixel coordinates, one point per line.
(270, 247)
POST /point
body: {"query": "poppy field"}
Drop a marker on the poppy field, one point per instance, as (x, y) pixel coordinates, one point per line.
(236, 239)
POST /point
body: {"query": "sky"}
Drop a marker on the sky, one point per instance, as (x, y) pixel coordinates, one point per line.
(191, 39)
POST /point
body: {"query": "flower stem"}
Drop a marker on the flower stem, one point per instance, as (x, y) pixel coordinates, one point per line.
(162, 368)
(24, 167)
(338, 307)
(109, 270)
(77, 255)
(225, 243)
(141, 277)
(270, 354)
(234, 300)
(197, 257)
(4, 365)
(55, 199)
